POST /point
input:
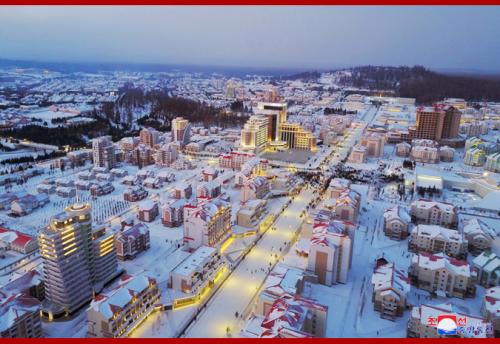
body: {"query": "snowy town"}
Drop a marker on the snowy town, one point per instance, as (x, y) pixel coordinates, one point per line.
(330, 212)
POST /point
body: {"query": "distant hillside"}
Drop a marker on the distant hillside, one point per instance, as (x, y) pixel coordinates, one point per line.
(425, 85)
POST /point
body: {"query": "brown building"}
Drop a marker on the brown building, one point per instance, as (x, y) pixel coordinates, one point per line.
(132, 241)
(437, 122)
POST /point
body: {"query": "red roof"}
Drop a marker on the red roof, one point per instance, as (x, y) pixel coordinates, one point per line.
(21, 240)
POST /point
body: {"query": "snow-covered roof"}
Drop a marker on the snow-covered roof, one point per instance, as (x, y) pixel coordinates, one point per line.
(427, 204)
(492, 301)
(282, 279)
(14, 306)
(14, 237)
(387, 276)
(195, 261)
(397, 213)
(474, 226)
(433, 231)
(424, 312)
(441, 261)
(114, 301)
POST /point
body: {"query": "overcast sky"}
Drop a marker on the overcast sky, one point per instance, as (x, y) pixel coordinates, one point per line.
(253, 36)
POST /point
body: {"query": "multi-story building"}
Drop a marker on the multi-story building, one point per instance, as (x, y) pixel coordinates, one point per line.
(475, 157)
(103, 152)
(442, 275)
(347, 205)
(390, 289)
(255, 188)
(403, 149)
(182, 190)
(166, 155)
(77, 260)
(131, 241)
(210, 189)
(142, 155)
(337, 186)
(330, 251)
(424, 320)
(19, 316)
(172, 213)
(135, 194)
(493, 163)
(374, 144)
(490, 309)
(478, 234)
(234, 160)
(434, 213)
(119, 311)
(251, 213)
(297, 137)
(358, 154)
(487, 265)
(396, 223)
(254, 135)
(196, 274)
(148, 210)
(208, 174)
(181, 131)
(446, 154)
(425, 154)
(208, 223)
(149, 137)
(435, 239)
(437, 122)
(276, 114)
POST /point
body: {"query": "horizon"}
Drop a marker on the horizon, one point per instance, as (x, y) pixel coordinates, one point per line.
(255, 37)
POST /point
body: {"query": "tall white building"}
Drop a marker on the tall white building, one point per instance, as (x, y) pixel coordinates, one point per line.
(254, 135)
(181, 131)
(77, 260)
(103, 152)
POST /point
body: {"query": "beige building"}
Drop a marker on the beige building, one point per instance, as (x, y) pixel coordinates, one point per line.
(338, 186)
(390, 288)
(255, 188)
(119, 311)
(254, 135)
(403, 149)
(347, 206)
(149, 137)
(425, 154)
(396, 223)
(435, 239)
(487, 265)
(330, 251)
(19, 316)
(434, 213)
(358, 154)
(479, 235)
(374, 144)
(251, 213)
(207, 223)
(443, 276)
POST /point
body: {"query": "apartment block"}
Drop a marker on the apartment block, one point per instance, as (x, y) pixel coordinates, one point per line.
(434, 213)
(435, 239)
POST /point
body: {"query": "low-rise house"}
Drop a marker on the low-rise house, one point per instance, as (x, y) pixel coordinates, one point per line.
(129, 180)
(65, 182)
(358, 154)
(135, 194)
(83, 185)
(118, 172)
(148, 210)
(65, 192)
(28, 203)
(435, 239)
(479, 235)
(131, 241)
(487, 265)
(396, 223)
(424, 319)
(46, 188)
(210, 189)
(86, 175)
(101, 189)
(182, 190)
(17, 241)
(434, 213)
(152, 182)
(390, 289)
(442, 275)
(117, 312)
(104, 177)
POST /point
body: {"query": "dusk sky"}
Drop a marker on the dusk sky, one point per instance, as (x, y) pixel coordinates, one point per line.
(303, 37)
